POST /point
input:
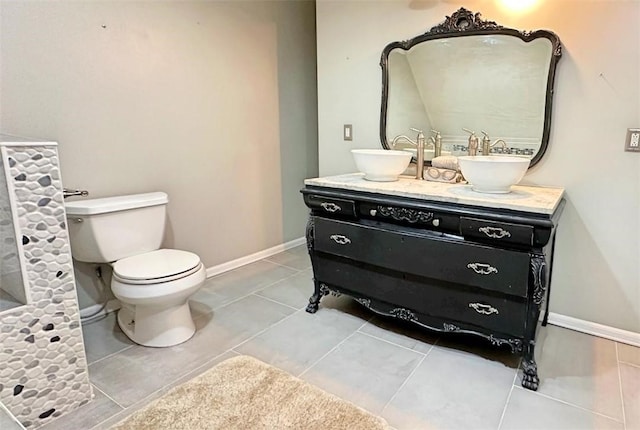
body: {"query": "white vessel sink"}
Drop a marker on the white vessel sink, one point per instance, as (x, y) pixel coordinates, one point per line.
(381, 165)
(493, 174)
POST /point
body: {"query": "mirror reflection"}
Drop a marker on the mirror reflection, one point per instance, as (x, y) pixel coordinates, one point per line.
(12, 287)
(470, 78)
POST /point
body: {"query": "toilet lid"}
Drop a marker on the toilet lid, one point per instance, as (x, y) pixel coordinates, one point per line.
(158, 264)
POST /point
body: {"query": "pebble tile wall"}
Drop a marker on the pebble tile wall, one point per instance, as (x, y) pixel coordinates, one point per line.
(43, 368)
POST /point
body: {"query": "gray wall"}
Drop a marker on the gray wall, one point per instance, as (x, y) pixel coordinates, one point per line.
(596, 275)
(213, 102)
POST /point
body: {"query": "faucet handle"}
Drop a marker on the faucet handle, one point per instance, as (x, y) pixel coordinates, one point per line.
(420, 132)
(472, 149)
(486, 140)
(437, 143)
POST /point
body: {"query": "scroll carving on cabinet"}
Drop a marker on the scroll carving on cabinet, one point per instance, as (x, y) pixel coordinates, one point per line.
(403, 314)
(450, 327)
(405, 214)
(538, 266)
(514, 344)
(364, 302)
(309, 232)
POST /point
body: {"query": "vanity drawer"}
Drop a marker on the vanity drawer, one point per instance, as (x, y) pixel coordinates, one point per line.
(331, 205)
(496, 232)
(425, 254)
(496, 312)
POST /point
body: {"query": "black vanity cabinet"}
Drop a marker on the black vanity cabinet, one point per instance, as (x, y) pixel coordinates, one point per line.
(449, 267)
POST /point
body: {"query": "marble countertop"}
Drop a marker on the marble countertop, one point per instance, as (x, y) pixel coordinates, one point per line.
(542, 200)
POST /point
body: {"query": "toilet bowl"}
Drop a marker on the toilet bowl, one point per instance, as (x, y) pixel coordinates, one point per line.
(152, 284)
(154, 288)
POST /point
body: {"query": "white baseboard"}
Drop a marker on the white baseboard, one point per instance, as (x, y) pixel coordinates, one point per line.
(112, 306)
(607, 332)
(234, 264)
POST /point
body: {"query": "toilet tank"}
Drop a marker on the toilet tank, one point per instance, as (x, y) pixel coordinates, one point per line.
(111, 228)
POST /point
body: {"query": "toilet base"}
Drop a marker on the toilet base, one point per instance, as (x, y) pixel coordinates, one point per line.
(156, 327)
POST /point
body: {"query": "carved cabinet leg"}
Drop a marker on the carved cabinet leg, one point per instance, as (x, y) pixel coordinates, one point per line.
(530, 378)
(314, 300)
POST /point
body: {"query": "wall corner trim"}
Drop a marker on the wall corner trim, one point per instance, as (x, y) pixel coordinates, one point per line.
(234, 264)
(595, 329)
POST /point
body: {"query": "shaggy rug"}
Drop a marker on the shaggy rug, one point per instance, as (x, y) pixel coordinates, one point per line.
(244, 393)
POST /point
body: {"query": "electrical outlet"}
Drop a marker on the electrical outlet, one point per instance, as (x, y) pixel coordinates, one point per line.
(347, 132)
(632, 143)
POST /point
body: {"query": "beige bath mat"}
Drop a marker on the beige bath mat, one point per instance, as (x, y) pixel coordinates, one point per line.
(244, 393)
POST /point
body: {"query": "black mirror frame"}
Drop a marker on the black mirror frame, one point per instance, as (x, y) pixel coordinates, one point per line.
(462, 23)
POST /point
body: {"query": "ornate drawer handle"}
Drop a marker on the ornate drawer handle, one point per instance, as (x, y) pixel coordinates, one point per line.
(330, 207)
(494, 232)
(340, 239)
(482, 269)
(483, 309)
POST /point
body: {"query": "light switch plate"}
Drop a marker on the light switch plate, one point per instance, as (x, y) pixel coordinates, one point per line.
(347, 132)
(632, 144)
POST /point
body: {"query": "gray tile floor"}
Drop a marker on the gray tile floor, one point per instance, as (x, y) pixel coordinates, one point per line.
(7, 301)
(414, 379)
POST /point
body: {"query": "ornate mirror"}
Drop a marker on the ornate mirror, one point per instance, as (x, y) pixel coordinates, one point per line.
(473, 74)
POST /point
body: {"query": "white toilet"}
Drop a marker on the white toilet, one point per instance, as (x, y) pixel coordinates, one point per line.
(152, 284)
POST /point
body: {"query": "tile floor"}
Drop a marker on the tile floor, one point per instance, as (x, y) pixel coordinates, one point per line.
(7, 301)
(414, 379)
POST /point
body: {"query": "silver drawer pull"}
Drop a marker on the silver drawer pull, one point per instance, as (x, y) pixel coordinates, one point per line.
(340, 239)
(330, 207)
(494, 232)
(482, 269)
(483, 309)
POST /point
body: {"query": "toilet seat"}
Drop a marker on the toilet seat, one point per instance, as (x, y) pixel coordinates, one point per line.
(162, 265)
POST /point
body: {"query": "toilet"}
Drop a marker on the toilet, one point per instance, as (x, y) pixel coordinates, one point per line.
(153, 284)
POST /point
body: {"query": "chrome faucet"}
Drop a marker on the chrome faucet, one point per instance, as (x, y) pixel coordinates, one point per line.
(487, 145)
(472, 149)
(437, 143)
(419, 143)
